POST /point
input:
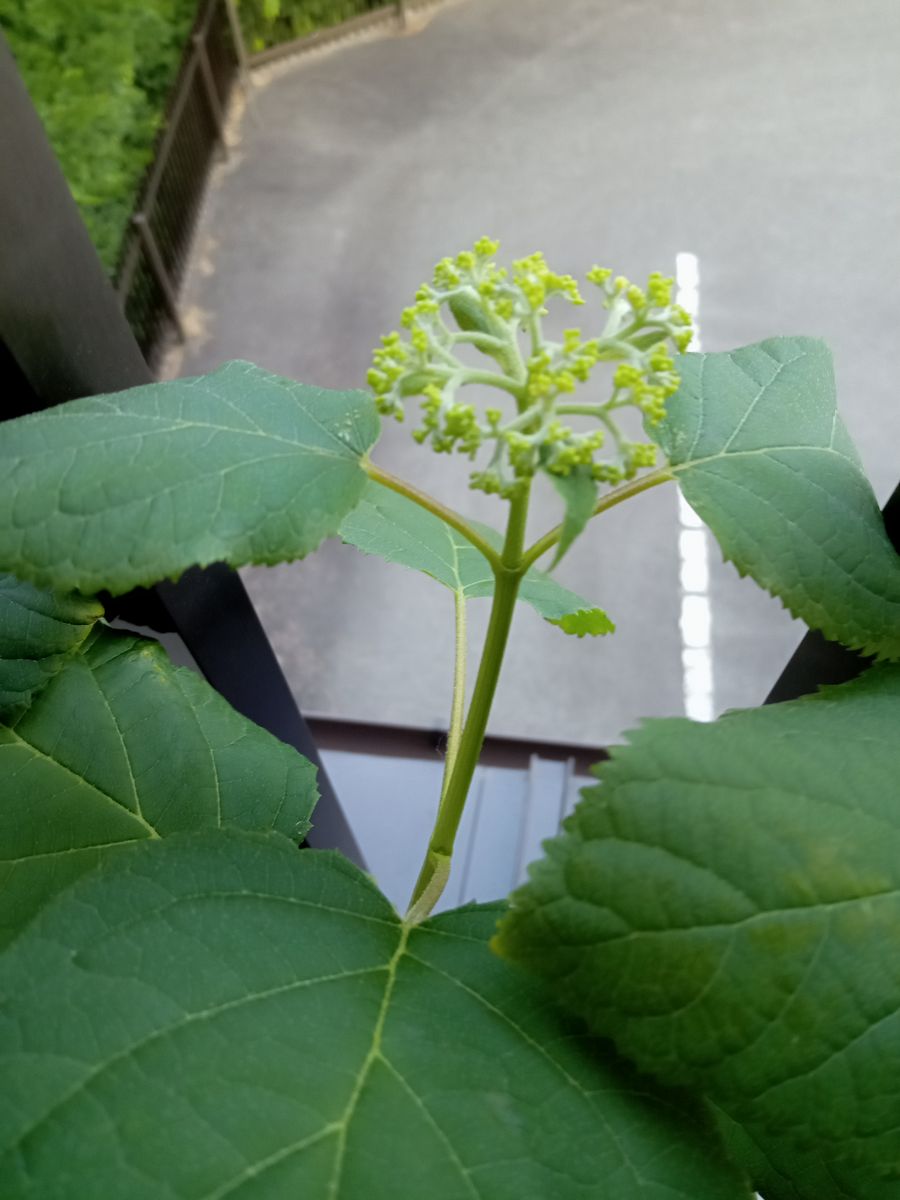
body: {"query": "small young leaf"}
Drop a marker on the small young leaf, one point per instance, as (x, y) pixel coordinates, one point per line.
(593, 621)
(396, 529)
(239, 466)
(37, 631)
(122, 746)
(760, 452)
(725, 906)
(218, 1015)
(469, 313)
(579, 494)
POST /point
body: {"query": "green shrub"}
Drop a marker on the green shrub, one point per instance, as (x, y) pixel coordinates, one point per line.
(99, 75)
(269, 22)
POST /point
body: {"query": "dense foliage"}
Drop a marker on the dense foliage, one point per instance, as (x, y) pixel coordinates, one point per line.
(269, 22)
(99, 75)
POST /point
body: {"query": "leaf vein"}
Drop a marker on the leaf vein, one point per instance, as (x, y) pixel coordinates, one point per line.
(373, 1055)
(544, 1054)
(464, 1171)
(183, 1022)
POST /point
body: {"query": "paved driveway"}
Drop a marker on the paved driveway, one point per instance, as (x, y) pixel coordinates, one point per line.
(762, 138)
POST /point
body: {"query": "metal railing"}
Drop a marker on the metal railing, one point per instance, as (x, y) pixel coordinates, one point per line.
(155, 251)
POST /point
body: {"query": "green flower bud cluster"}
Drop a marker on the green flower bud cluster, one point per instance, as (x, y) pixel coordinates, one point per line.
(471, 304)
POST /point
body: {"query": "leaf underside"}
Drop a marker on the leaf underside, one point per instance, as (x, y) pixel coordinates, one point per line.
(37, 632)
(239, 466)
(396, 529)
(579, 491)
(760, 452)
(122, 746)
(725, 906)
(218, 1015)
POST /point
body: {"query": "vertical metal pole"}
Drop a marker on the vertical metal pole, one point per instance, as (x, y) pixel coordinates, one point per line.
(209, 87)
(158, 267)
(240, 49)
(237, 37)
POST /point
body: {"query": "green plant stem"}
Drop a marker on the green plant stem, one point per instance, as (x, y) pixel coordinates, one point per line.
(433, 506)
(484, 341)
(458, 706)
(492, 379)
(587, 410)
(634, 487)
(507, 577)
(462, 374)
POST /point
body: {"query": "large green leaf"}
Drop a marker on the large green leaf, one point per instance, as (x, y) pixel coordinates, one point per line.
(396, 529)
(218, 1015)
(238, 466)
(760, 452)
(725, 905)
(123, 746)
(37, 631)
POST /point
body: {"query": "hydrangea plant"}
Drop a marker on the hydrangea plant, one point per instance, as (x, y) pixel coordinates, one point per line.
(193, 1008)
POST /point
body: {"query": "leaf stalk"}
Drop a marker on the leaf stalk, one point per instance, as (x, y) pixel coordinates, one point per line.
(458, 705)
(634, 487)
(453, 519)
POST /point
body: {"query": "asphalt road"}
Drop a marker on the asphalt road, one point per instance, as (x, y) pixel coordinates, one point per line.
(762, 138)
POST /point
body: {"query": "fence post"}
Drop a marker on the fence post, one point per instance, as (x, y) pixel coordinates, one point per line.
(209, 87)
(240, 50)
(403, 14)
(237, 37)
(158, 267)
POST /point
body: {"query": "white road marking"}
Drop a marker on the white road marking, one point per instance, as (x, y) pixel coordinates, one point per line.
(695, 621)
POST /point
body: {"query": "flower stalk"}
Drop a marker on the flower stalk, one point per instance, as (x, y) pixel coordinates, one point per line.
(474, 308)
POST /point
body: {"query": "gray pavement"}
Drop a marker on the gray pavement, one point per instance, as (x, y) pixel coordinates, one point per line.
(763, 138)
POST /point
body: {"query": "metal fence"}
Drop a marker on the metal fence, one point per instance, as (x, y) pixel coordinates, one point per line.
(155, 251)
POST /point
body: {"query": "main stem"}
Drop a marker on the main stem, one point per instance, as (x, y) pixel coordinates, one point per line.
(507, 577)
(458, 705)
